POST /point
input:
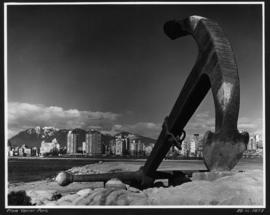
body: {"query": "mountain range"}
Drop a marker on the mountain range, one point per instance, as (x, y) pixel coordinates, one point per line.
(33, 137)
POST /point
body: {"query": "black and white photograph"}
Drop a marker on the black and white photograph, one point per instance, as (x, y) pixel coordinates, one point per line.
(134, 105)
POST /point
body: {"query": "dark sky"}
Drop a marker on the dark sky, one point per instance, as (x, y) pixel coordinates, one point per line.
(113, 67)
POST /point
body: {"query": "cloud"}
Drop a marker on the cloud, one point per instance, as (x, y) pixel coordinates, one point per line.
(23, 115)
(202, 115)
(200, 123)
(252, 126)
(147, 129)
(203, 122)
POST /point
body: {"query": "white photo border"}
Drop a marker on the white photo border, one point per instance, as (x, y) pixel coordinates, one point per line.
(262, 3)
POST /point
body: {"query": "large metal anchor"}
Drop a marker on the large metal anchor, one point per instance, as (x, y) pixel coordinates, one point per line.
(215, 69)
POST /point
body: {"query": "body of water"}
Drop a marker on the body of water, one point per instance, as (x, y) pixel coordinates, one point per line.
(25, 170)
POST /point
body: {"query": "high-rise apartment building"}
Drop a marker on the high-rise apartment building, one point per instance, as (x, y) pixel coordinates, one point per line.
(259, 141)
(194, 145)
(252, 144)
(133, 147)
(185, 148)
(72, 142)
(122, 144)
(140, 148)
(93, 144)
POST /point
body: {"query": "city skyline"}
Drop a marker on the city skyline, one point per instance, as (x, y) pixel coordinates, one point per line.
(113, 68)
(92, 144)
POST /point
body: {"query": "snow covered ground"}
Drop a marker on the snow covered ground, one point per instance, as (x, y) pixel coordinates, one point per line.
(234, 188)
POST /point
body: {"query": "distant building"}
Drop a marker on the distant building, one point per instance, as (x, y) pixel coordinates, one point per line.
(252, 144)
(49, 147)
(140, 148)
(84, 147)
(112, 148)
(24, 151)
(255, 142)
(194, 145)
(192, 148)
(133, 147)
(11, 153)
(126, 144)
(57, 145)
(257, 137)
(75, 139)
(185, 148)
(93, 144)
(119, 145)
(249, 145)
(122, 144)
(148, 149)
(46, 147)
(35, 151)
(27, 152)
(136, 147)
(259, 141)
(21, 151)
(107, 149)
(200, 149)
(16, 151)
(72, 142)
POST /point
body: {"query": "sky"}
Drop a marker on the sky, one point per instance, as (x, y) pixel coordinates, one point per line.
(112, 68)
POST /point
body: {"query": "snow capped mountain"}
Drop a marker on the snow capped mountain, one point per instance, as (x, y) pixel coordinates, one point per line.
(45, 131)
(33, 137)
(49, 131)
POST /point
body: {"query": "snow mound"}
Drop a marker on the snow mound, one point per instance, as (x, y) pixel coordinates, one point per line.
(240, 188)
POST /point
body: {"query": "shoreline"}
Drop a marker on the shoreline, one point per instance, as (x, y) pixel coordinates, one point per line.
(93, 159)
(113, 159)
(71, 158)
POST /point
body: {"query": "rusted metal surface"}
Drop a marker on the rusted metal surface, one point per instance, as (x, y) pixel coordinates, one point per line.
(133, 178)
(215, 69)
